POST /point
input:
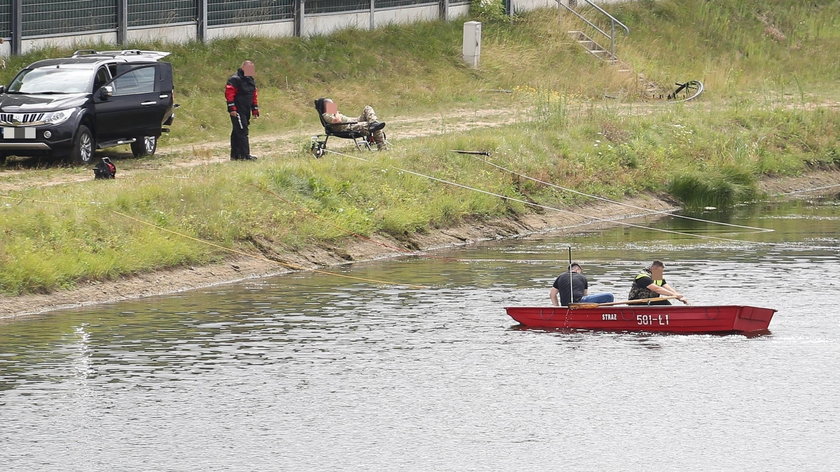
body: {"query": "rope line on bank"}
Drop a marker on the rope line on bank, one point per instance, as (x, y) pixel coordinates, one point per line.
(331, 223)
(595, 218)
(628, 205)
(807, 190)
(402, 250)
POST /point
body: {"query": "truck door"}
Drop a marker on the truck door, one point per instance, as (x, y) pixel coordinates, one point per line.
(133, 109)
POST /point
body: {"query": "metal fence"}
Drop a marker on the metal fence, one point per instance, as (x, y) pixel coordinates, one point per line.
(225, 12)
(32, 19)
(334, 6)
(5, 18)
(57, 17)
(167, 12)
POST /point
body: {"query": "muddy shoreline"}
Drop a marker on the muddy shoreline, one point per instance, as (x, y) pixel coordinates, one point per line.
(361, 250)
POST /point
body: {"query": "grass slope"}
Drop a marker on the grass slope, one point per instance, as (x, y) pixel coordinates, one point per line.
(764, 64)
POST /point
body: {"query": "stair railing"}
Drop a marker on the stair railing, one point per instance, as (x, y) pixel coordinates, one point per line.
(613, 22)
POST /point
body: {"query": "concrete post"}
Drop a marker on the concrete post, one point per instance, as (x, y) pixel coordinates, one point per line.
(372, 15)
(472, 43)
(201, 24)
(17, 27)
(300, 14)
(122, 21)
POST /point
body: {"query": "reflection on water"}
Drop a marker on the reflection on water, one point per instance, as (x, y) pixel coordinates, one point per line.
(313, 372)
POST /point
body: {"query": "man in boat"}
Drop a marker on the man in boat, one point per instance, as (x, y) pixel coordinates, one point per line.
(572, 286)
(650, 283)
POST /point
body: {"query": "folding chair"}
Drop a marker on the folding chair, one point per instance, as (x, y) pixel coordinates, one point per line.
(319, 141)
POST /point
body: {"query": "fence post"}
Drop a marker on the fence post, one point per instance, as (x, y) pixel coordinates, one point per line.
(17, 27)
(201, 24)
(443, 6)
(122, 21)
(300, 11)
(372, 14)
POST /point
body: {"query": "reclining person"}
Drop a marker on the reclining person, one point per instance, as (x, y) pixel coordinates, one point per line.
(367, 123)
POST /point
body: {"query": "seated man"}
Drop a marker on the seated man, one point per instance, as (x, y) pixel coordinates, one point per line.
(650, 283)
(367, 123)
(576, 290)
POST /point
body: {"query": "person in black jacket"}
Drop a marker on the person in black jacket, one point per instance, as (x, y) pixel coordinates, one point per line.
(241, 96)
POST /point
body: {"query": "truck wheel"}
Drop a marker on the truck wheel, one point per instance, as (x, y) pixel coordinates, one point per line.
(144, 146)
(83, 146)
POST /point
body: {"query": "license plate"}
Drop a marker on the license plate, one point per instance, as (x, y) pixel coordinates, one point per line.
(19, 133)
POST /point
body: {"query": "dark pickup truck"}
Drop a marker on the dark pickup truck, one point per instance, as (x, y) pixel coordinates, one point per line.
(68, 108)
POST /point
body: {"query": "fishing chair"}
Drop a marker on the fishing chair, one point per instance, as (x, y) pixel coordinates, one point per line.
(319, 141)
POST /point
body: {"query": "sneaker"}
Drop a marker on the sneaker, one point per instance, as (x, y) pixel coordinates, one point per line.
(250, 158)
(376, 126)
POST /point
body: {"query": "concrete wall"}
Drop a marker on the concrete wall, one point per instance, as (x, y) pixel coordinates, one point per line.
(406, 15)
(328, 22)
(320, 24)
(170, 34)
(458, 11)
(72, 42)
(280, 29)
(528, 5)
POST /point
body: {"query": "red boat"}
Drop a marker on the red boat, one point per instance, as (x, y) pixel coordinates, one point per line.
(651, 318)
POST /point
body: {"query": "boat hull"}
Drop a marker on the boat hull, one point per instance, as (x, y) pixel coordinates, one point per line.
(660, 318)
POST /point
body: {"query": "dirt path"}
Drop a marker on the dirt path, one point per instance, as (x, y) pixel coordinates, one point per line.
(266, 146)
(289, 141)
(273, 145)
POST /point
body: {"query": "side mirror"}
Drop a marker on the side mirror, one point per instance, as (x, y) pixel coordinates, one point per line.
(106, 91)
(2, 89)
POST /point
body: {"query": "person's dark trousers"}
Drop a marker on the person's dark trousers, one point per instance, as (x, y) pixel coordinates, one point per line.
(239, 146)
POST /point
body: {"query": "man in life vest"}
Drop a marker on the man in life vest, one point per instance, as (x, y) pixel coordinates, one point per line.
(241, 96)
(573, 287)
(650, 283)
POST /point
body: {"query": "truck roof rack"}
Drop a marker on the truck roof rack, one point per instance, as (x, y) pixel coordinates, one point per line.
(126, 53)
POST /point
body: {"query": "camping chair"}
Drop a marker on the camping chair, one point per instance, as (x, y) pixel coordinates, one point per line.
(319, 142)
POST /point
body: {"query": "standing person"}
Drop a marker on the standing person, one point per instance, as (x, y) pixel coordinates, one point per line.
(650, 283)
(367, 123)
(241, 95)
(579, 288)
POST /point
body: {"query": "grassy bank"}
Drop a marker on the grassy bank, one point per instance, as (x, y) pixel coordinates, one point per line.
(753, 121)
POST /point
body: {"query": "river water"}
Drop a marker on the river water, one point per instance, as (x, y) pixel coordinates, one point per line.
(313, 372)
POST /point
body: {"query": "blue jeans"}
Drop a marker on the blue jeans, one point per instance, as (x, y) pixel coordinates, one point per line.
(602, 297)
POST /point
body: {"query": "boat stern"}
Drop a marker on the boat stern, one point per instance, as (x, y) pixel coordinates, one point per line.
(753, 318)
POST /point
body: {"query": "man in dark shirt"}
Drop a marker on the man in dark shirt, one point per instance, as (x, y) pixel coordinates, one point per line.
(579, 289)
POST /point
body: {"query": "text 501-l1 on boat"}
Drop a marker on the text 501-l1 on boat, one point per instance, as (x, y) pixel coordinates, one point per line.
(661, 318)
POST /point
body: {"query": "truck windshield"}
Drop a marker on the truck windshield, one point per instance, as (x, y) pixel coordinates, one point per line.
(52, 80)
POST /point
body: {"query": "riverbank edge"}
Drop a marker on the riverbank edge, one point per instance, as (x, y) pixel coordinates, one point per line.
(380, 247)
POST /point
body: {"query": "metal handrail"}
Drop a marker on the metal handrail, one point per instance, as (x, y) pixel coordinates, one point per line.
(613, 22)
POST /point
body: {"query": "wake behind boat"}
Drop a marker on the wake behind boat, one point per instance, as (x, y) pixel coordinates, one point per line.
(650, 318)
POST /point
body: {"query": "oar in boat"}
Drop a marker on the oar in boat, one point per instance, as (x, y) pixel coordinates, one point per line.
(575, 306)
